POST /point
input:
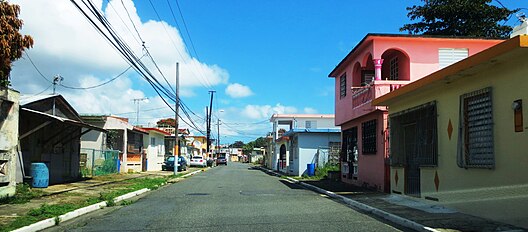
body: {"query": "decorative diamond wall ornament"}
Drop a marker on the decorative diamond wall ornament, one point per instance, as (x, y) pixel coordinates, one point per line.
(3, 167)
(449, 129)
(396, 177)
(436, 180)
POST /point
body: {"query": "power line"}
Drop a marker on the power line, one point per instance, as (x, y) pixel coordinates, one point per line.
(39, 93)
(98, 85)
(207, 84)
(123, 21)
(105, 28)
(38, 70)
(133, 24)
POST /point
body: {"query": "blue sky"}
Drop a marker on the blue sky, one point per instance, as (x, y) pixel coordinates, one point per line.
(275, 54)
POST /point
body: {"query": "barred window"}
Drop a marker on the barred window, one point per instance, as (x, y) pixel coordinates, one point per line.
(342, 85)
(421, 123)
(394, 69)
(368, 136)
(475, 142)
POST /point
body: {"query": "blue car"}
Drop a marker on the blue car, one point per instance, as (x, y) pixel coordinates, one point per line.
(169, 164)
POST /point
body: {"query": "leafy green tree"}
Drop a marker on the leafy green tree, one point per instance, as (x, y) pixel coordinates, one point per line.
(261, 142)
(257, 143)
(12, 43)
(237, 144)
(475, 18)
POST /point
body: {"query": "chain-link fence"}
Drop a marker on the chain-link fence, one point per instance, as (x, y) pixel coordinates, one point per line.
(97, 162)
(328, 155)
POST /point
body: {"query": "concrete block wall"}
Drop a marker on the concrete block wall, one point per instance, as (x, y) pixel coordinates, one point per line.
(9, 108)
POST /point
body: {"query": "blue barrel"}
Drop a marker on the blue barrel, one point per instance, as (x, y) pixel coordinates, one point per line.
(40, 174)
(310, 169)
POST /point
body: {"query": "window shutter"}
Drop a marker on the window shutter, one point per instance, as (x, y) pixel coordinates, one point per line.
(448, 56)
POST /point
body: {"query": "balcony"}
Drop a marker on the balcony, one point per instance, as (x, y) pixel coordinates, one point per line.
(362, 96)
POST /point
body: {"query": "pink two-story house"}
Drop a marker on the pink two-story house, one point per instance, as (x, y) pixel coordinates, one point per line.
(379, 64)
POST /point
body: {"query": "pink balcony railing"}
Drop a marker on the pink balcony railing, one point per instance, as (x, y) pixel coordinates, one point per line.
(364, 95)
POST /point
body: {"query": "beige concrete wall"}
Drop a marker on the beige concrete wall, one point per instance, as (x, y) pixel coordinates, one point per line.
(8, 142)
(469, 188)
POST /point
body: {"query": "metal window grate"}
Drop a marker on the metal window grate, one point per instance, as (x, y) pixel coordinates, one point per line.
(342, 85)
(476, 130)
(425, 141)
(394, 69)
(368, 136)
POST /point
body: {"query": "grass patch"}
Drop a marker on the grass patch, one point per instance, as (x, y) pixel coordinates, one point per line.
(320, 173)
(126, 202)
(23, 194)
(46, 211)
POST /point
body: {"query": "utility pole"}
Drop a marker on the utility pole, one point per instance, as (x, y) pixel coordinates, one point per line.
(137, 101)
(218, 140)
(56, 81)
(209, 116)
(177, 105)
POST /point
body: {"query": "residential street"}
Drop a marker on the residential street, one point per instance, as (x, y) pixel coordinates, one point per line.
(230, 198)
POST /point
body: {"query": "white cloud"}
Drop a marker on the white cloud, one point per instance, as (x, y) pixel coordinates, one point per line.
(66, 44)
(238, 91)
(265, 111)
(310, 110)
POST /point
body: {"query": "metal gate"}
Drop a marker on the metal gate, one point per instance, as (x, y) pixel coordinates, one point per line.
(349, 148)
(412, 167)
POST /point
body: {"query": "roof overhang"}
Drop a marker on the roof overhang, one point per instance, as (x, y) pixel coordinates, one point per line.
(296, 131)
(63, 120)
(158, 131)
(462, 69)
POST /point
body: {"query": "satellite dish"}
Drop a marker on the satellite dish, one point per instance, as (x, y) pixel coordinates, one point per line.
(197, 143)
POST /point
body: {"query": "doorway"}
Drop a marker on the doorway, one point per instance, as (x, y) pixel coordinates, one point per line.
(412, 166)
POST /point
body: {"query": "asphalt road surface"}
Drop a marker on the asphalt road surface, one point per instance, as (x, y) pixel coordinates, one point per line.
(230, 198)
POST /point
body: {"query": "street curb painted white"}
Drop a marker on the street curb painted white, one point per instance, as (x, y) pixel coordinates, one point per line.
(46, 223)
(378, 212)
(192, 173)
(50, 222)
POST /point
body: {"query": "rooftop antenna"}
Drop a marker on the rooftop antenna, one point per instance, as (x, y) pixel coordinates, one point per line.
(137, 101)
(57, 79)
(520, 29)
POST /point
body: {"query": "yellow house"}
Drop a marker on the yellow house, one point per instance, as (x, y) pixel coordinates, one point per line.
(458, 136)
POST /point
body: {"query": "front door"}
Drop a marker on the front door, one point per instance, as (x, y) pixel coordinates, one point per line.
(412, 167)
(351, 151)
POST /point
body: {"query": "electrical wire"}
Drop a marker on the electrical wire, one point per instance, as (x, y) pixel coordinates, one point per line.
(205, 82)
(98, 85)
(37, 94)
(38, 70)
(104, 27)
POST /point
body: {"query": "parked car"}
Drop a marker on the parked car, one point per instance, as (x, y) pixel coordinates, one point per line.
(198, 161)
(210, 162)
(221, 160)
(169, 164)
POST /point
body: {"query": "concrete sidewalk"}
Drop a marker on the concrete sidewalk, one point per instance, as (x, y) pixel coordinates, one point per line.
(429, 214)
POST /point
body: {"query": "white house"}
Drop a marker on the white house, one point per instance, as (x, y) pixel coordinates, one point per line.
(310, 146)
(154, 144)
(282, 123)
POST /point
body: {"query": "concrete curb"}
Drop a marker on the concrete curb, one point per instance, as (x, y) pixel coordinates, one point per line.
(378, 212)
(192, 173)
(50, 222)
